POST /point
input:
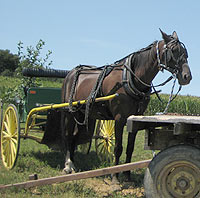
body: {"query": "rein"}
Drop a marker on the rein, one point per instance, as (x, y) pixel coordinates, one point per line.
(161, 67)
(126, 83)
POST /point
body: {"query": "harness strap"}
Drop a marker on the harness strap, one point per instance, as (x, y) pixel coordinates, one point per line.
(94, 92)
(130, 88)
(117, 86)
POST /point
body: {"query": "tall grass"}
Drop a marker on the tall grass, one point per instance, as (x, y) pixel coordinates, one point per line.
(184, 105)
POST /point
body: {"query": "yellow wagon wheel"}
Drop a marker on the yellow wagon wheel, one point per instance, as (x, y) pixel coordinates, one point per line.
(104, 141)
(1, 117)
(10, 137)
(1, 112)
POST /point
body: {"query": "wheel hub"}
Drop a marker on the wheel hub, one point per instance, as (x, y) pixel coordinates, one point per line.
(183, 181)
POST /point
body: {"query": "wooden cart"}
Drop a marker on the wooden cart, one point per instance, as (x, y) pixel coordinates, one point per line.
(175, 170)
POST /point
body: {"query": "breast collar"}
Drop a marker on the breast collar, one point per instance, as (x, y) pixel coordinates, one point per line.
(128, 82)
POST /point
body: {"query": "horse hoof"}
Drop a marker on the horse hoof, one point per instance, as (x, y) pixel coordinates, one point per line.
(127, 176)
(66, 171)
(69, 170)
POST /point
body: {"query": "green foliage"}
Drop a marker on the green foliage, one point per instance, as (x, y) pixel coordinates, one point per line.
(29, 58)
(184, 105)
(32, 57)
(8, 62)
(8, 86)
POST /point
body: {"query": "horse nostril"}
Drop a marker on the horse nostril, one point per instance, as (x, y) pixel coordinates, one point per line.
(186, 77)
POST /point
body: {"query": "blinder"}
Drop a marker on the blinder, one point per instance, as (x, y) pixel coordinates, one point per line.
(169, 56)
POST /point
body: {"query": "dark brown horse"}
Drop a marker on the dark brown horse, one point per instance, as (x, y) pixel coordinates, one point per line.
(131, 78)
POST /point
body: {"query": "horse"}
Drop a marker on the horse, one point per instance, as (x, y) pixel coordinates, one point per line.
(131, 78)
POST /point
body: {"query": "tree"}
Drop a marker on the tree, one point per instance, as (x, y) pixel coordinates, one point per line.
(8, 62)
(30, 57)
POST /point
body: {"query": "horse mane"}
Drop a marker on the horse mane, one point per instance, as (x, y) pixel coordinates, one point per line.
(137, 52)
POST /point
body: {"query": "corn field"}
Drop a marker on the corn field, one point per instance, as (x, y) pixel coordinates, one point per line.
(183, 105)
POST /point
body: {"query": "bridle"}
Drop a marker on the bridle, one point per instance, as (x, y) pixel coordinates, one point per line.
(168, 55)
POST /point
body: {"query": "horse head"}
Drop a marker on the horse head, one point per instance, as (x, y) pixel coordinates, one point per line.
(174, 58)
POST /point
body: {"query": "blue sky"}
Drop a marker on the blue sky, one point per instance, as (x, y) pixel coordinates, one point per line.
(101, 32)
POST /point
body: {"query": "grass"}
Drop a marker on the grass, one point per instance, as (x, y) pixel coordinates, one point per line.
(39, 159)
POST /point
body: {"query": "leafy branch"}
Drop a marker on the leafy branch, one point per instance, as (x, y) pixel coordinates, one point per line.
(29, 57)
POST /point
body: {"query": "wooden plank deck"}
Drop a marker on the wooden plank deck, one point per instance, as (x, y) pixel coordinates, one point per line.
(165, 119)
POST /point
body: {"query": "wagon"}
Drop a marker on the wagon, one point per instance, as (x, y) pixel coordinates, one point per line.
(175, 170)
(39, 113)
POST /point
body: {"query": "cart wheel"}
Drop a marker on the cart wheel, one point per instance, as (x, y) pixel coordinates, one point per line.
(174, 172)
(1, 112)
(104, 141)
(1, 117)
(10, 137)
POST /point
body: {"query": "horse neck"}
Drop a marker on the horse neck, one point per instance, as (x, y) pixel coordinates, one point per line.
(145, 66)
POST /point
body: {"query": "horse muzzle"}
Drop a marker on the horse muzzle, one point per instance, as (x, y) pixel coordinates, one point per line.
(184, 76)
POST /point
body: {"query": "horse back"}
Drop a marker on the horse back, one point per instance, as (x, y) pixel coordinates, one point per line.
(86, 81)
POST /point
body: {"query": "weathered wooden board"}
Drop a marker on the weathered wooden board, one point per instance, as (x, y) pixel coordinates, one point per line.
(166, 119)
(81, 175)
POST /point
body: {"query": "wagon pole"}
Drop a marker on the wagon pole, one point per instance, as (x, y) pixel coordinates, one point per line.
(78, 176)
(56, 106)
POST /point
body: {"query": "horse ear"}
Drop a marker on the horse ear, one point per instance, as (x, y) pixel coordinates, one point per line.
(174, 35)
(166, 38)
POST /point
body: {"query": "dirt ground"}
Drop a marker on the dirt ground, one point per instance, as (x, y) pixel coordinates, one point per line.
(105, 188)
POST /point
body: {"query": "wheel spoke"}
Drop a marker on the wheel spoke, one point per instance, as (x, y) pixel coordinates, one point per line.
(13, 151)
(15, 133)
(100, 143)
(104, 146)
(6, 151)
(5, 134)
(10, 137)
(14, 140)
(6, 126)
(7, 120)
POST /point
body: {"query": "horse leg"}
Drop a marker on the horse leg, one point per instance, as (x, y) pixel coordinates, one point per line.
(68, 124)
(129, 151)
(119, 126)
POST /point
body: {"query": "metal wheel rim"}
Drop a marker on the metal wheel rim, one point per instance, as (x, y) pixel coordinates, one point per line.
(105, 140)
(179, 179)
(10, 137)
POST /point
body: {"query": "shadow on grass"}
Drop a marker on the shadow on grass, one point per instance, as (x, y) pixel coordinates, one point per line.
(55, 159)
(85, 162)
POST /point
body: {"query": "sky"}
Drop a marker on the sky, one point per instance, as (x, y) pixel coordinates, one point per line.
(99, 32)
